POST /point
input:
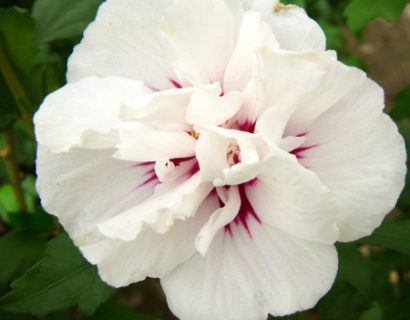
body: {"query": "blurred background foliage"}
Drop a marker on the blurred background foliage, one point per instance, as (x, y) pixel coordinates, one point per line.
(43, 276)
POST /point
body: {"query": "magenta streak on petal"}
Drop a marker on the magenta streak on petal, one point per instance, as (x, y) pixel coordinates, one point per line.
(245, 211)
(298, 151)
(194, 169)
(248, 126)
(178, 161)
(144, 164)
(150, 175)
(302, 134)
(175, 83)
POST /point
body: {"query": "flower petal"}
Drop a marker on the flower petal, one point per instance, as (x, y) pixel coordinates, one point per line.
(360, 157)
(271, 124)
(202, 38)
(208, 107)
(124, 41)
(290, 77)
(79, 111)
(262, 6)
(143, 143)
(84, 187)
(164, 109)
(151, 254)
(292, 198)
(254, 34)
(219, 218)
(211, 150)
(339, 81)
(176, 200)
(243, 278)
(292, 27)
(214, 165)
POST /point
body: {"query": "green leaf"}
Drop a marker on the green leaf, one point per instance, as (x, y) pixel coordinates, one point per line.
(300, 3)
(334, 36)
(351, 60)
(61, 279)
(20, 250)
(17, 37)
(374, 313)
(112, 310)
(353, 268)
(401, 109)
(8, 204)
(63, 19)
(391, 235)
(30, 65)
(360, 12)
(25, 146)
(13, 316)
(39, 221)
(7, 200)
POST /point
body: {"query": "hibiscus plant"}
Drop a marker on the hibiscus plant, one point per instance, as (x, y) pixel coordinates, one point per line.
(204, 159)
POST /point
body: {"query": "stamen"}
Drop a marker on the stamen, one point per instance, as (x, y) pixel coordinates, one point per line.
(234, 154)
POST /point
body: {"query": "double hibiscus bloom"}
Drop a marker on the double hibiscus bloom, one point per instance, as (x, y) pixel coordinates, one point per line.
(216, 145)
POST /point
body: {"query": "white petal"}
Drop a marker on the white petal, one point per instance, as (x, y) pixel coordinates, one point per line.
(254, 35)
(208, 107)
(77, 112)
(237, 174)
(166, 170)
(248, 143)
(124, 41)
(85, 187)
(143, 143)
(202, 37)
(295, 31)
(176, 200)
(291, 143)
(263, 6)
(289, 197)
(339, 81)
(220, 218)
(165, 109)
(211, 153)
(292, 77)
(245, 279)
(360, 157)
(151, 254)
(271, 124)
(254, 102)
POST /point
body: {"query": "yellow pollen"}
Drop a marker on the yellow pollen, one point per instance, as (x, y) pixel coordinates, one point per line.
(195, 134)
(279, 7)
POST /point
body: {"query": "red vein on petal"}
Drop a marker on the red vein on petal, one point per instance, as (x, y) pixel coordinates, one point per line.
(175, 83)
(246, 210)
(298, 151)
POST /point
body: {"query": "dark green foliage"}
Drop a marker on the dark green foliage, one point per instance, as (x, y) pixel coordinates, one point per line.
(391, 235)
(62, 19)
(111, 310)
(402, 107)
(62, 278)
(360, 12)
(43, 273)
(18, 251)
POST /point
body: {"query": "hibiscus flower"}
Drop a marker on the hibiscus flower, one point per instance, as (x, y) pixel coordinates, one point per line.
(216, 145)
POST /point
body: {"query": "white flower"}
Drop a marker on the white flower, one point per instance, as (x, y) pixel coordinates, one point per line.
(215, 144)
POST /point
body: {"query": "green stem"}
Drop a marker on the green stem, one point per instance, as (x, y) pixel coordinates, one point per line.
(9, 156)
(17, 90)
